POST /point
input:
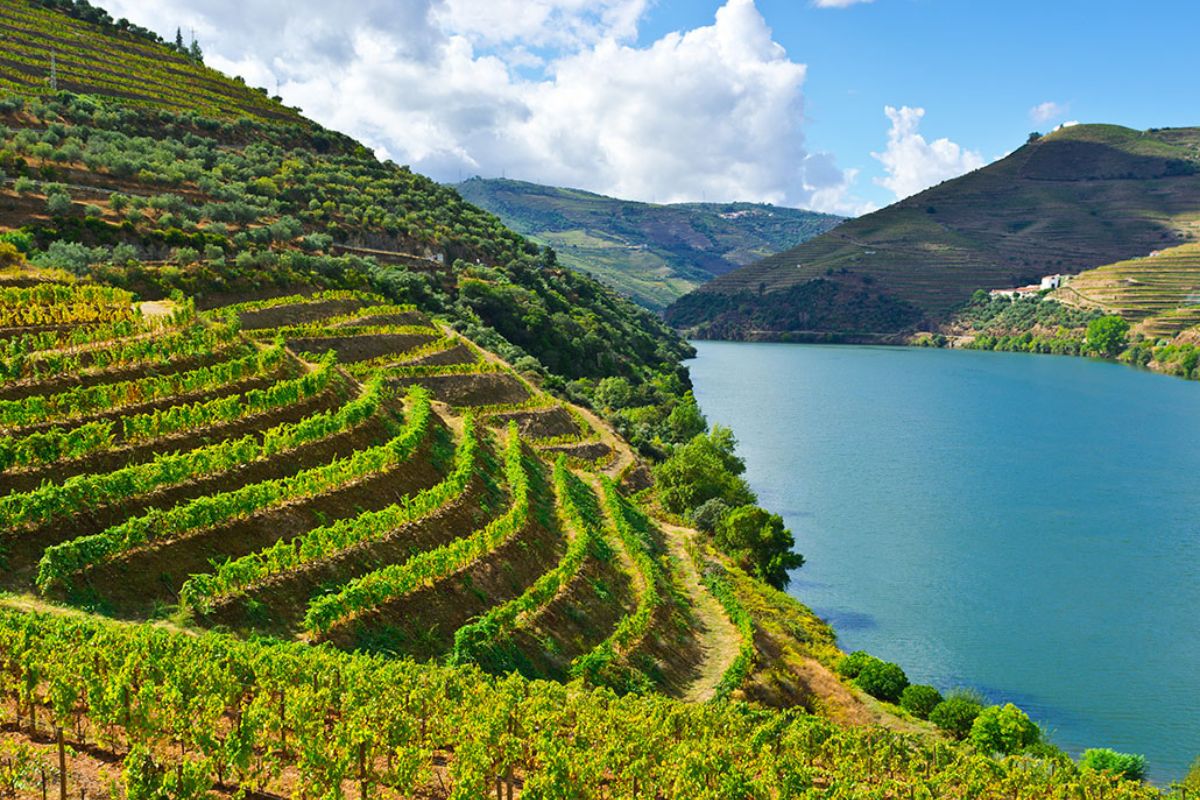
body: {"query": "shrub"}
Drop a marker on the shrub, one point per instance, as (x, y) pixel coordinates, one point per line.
(1004, 729)
(1127, 765)
(24, 185)
(883, 680)
(919, 700)
(708, 516)
(851, 665)
(956, 714)
(58, 204)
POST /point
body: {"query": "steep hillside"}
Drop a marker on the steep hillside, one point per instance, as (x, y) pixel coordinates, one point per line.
(116, 60)
(651, 253)
(1072, 200)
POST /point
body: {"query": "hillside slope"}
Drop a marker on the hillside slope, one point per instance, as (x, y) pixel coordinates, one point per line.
(119, 61)
(651, 253)
(1075, 199)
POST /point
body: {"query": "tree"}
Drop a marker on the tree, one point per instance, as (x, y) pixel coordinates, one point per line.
(708, 516)
(920, 700)
(883, 680)
(956, 714)
(179, 39)
(58, 204)
(851, 665)
(1004, 729)
(1108, 336)
(685, 420)
(1128, 765)
(613, 393)
(758, 540)
(704, 468)
(195, 52)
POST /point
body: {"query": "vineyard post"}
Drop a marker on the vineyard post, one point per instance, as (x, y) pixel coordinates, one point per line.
(62, 764)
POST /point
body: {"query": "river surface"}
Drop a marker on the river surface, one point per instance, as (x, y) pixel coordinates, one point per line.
(1024, 525)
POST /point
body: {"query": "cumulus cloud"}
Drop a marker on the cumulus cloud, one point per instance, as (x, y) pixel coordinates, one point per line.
(913, 164)
(554, 91)
(1044, 112)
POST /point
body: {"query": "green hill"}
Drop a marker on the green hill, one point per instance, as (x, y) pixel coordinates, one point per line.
(1075, 199)
(651, 253)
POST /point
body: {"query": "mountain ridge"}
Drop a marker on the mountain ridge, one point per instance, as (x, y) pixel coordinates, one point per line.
(652, 253)
(1074, 199)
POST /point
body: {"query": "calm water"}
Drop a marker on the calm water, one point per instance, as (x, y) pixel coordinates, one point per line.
(1026, 525)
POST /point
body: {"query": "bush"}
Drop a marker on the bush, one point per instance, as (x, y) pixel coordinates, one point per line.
(1127, 765)
(956, 714)
(58, 204)
(883, 680)
(919, 700)
(1004, 729)
(851, 665)
(708, 516)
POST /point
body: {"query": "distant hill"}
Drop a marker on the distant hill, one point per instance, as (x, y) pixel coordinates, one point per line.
(652, 253)
(1072, 200)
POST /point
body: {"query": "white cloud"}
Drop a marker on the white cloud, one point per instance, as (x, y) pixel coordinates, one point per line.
(445, 85)
(838, 3)
(1068, 124)
(913, 164)
(1044, 112)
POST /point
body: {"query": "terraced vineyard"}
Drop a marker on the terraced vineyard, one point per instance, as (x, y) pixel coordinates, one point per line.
(328, 467)
(122, 65)
(1160, 293)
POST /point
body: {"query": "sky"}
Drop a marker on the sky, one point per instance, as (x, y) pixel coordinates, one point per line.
(841, 106)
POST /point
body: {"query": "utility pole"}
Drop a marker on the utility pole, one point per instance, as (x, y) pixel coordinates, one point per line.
(53, 74)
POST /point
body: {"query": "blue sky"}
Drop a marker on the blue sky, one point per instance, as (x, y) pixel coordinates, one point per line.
(837, 108)
(977, 66)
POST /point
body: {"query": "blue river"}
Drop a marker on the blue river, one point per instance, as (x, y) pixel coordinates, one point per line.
(1024, 525)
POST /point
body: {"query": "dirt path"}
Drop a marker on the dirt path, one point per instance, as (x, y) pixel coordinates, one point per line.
(719, 639)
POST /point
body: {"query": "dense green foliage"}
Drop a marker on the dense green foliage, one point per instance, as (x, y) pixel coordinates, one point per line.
(702, 480)
(1126, 765)
(882, 679)
(759, 542)
(834, 308)
(957, 714)
(1108, 335)
(919, 699)
(1004, 729)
